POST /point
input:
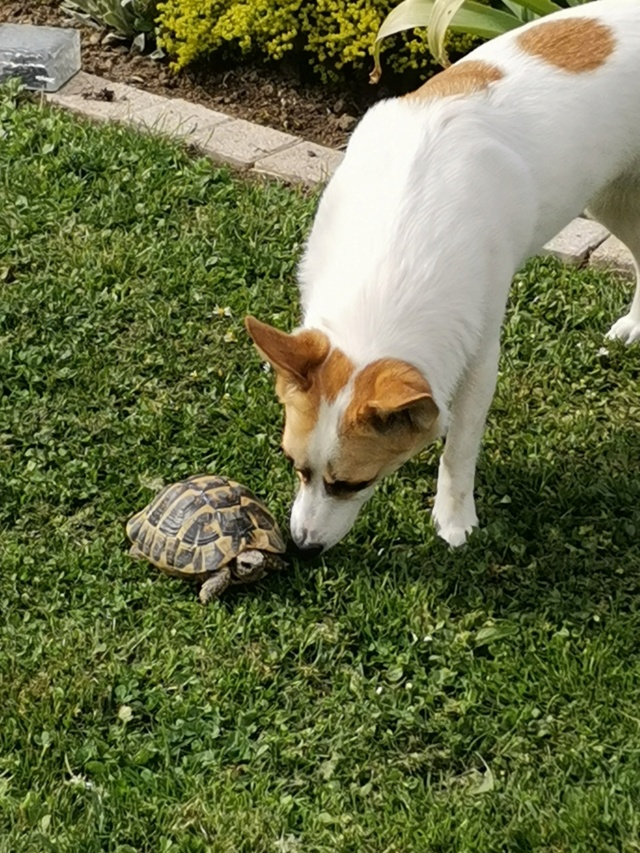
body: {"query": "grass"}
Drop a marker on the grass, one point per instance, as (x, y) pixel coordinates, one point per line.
(395, 697)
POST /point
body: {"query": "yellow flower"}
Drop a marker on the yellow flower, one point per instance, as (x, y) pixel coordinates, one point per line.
(331, 33)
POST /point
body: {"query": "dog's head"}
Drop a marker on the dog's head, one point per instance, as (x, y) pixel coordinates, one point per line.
(345, 428)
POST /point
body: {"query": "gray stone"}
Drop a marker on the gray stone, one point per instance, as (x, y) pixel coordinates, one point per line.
(42, 57)
(104, 100)
(613, 255)
(347, 122)
(179, 118)
(241, 143)
(235, 141)
(305, 163)
(574, 243)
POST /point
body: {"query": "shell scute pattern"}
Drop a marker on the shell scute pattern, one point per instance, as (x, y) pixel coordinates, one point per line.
(157, 548)
(261, 519)
(200, 529)
(196, 527)
(161, 506)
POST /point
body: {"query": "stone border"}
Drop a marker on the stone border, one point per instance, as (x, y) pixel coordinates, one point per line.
(587, 243)
(239, 143)
(263, 150)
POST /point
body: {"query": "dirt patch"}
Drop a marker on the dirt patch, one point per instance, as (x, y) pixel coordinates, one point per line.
(273, 97)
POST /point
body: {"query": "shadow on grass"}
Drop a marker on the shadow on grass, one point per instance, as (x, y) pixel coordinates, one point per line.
(557, 537)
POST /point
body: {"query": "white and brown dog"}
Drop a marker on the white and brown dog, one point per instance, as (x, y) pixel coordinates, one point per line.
(441, 197)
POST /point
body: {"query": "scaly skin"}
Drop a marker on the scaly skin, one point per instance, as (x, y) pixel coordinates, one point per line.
(215, 585)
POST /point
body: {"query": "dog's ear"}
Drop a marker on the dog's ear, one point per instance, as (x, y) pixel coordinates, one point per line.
(391, 395)
(294, 357)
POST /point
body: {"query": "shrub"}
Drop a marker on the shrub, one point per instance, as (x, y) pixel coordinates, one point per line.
(128, 19)
(462, 16)
(335, 35)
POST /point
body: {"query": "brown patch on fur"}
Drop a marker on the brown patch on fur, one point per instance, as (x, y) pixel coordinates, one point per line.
(365, 456)
(390, 417)
(385, 387)
(334, 374)
(307, 373)
(575, 44)
(294, 356)
(301, 416)
(463, 78)
(302, 407)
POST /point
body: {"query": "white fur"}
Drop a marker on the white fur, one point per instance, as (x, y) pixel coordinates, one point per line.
(317, 519)
(435, 207)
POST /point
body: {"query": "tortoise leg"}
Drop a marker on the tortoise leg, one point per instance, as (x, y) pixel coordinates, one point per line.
(273, 563)
(215, 585)
(136, 553)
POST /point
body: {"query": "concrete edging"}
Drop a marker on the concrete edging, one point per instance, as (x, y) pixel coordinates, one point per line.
(239, 143)
(263, 150)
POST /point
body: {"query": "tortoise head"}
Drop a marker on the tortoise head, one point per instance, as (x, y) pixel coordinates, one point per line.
(250, 566)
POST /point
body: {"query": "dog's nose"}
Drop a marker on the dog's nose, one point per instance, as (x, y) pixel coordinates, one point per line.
(303, 544)
(308, 550)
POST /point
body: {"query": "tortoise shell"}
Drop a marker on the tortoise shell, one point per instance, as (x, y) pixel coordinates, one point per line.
(193, 528)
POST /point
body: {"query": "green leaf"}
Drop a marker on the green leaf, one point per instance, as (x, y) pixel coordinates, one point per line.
(485, 783)
(492, 633)
(395, 673)
(472, 18)
(540, 7)
(519, 11)
(125, 713)
(441, 17)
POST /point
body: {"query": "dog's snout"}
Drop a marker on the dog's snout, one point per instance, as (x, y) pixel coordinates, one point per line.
(309, 551)
(305, 546)
(319, 521)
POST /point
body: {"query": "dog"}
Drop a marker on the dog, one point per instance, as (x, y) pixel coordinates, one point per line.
(441, 197)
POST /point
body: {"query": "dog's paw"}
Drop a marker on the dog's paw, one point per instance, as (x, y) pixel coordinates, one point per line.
(454, 520)
(626, 329)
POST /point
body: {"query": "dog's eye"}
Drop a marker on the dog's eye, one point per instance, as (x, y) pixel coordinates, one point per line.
(287, 457)
(304, 474)
(344, 488)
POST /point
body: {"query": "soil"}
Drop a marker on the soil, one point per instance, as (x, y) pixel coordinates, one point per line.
(268, 95)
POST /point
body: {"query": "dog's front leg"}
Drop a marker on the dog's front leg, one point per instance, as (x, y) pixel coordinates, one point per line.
(454, 511)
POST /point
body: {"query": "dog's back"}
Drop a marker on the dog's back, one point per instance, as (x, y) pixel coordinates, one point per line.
(440, 198)
(515, 139)
(570, 101)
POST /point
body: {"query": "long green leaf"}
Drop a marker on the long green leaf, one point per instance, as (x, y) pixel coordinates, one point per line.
(472, 18)
(444, 10)
(540, 7)
(517, 9)
(441, 17)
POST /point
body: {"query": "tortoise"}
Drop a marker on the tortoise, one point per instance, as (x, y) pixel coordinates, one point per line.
(210, 530)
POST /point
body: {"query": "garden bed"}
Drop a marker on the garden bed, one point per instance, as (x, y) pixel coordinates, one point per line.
(262, 94)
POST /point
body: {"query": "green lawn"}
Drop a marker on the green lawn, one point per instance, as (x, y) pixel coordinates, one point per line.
(394, 697)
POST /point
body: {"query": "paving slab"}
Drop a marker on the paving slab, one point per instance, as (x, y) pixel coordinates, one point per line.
(102, 99)
(575, 242)
(305, 163)
(179, 118)
(613, 255)
(241, 143)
